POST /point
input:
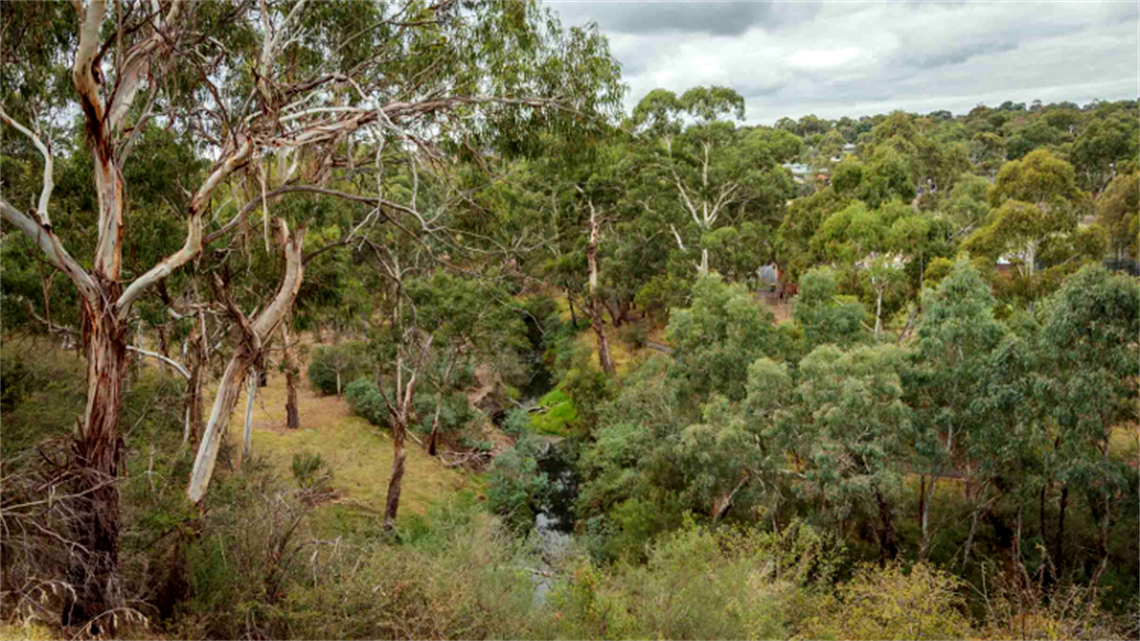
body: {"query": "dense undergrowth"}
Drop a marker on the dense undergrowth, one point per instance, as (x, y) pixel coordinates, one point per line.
(253, 566)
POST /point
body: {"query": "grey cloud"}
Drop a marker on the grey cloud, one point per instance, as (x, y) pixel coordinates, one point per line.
(713, 17)
(957, 55)
(861, 59)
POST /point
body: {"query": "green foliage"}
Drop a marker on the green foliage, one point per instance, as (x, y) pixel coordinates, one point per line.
(1118, 211)
(310, 470)
(636, 335)
(332, 367)
(716, 339)
(851, 428)
(514, 484)
(699, 583)
(42, 396)
(823, 317)
(366, 401)
(889, 603)
(559, 418)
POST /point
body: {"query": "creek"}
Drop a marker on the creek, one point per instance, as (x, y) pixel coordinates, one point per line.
(554, 514)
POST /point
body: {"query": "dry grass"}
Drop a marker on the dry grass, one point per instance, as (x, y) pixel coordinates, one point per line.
(359, 454)
(623, 354)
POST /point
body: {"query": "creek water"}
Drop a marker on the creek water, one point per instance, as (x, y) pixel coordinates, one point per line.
(554, 515)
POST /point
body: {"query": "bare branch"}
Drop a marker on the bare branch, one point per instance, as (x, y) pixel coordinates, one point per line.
(52, 248)
(193, 245)
(45, 150)
(178, 367)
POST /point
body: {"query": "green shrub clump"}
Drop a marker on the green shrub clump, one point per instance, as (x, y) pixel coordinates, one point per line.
(333, 367)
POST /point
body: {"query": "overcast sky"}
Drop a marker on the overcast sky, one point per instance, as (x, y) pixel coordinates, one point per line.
(854, 58)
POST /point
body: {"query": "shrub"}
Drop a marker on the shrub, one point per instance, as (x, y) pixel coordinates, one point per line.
(560, 417)
(514, 484)
(888, 603)
(516, 422)
(332, 367)
(458, 576)
(365, 400)
(697, 583)
(310, 471)
(636, 335)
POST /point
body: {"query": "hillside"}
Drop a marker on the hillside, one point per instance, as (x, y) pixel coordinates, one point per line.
(359, 454)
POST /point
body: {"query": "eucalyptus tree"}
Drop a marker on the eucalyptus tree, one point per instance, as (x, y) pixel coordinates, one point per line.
(824, 318)
(1035, 201)
(1107, 142)
(718, 337)
(849, 423)
(469, 324)
(1118, 211)
(955, 337)
(251, 86)
(860, 239)
(711, 167)
(1088, 339)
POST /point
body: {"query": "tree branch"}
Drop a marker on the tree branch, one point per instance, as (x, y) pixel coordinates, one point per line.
(178, 367)
(52, 248)
(45, 150)
(193, 245)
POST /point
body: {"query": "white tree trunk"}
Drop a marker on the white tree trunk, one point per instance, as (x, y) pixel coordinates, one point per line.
(229, 387)
(251, 393)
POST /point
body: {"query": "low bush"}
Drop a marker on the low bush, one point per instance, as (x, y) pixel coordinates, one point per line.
(332, 367)
(700, 583)
(636, 335)
(365, 400)
(890, 603)
(514, 484)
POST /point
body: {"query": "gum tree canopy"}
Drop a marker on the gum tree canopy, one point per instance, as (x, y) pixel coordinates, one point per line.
(241, 84)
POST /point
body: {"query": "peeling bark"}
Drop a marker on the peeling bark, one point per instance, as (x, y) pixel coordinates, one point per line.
(98, 453)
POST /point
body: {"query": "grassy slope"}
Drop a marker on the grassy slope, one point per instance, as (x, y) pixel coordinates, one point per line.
(359, 454)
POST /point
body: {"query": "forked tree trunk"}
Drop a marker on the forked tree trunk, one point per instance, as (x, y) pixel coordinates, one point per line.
(252, 337)
(292, 413)
(616, 315)
(400, 415)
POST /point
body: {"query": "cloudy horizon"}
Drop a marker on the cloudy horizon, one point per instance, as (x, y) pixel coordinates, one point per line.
(863, 58)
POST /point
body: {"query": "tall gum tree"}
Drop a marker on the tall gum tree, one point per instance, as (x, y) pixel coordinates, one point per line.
(705, 165)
